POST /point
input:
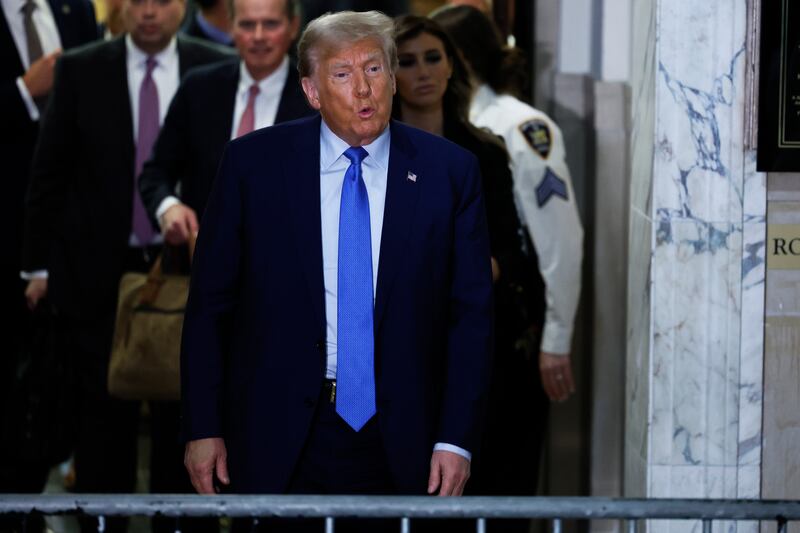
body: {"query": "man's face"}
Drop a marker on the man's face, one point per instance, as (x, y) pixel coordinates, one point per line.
(352, 88)
(263, 34)
(152, 23)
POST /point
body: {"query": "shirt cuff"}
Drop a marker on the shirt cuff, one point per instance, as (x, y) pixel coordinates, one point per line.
(36, 274)
(33, 109)
(165, 204)
(444, 447)
(556, 338)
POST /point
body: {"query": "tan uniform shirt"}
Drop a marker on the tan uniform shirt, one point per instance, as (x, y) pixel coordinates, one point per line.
(546, 203)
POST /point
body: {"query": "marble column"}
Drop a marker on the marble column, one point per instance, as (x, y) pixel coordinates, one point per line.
(696, 268)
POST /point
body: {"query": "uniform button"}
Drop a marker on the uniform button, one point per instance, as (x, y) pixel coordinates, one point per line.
(308, 402)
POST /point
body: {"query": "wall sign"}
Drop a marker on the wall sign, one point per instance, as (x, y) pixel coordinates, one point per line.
(779, 87)
(783, 246)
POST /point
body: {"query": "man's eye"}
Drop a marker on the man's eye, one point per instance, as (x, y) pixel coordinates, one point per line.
(247, 25)
(341, 75)
(374, 69)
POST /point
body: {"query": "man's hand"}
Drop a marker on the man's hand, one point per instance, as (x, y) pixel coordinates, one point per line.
(556, 371)
(449, 473)
(203, 459)
(178, 223)
(39, 77)
(35, 291)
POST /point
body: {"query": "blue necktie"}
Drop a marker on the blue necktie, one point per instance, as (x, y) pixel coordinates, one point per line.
(355, 368)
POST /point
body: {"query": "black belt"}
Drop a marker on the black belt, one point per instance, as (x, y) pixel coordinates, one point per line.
(329, 389)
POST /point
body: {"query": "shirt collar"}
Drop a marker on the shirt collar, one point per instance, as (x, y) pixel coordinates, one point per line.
(276, 79)
(165, 58)
(482, 98)
(211, 31)
(332, 148)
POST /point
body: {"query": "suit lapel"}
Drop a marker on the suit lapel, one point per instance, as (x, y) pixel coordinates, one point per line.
(221, 114)
(11, 62)
(301, 179)
(62, 12)
(118, 105)
(289, 102)
(401, 202)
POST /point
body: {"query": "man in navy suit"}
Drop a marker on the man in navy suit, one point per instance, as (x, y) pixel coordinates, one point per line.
(338, 331)
(32, 35)
(258, 89)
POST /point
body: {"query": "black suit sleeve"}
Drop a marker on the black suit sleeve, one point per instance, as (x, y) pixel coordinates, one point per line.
(167, 165)
(13, 110)
(50, 175)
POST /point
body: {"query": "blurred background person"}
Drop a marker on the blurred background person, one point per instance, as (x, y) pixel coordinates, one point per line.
(433, 93)
(209, 20)
(32, 35)
(546, 201)
(259, 89)
(85, 226)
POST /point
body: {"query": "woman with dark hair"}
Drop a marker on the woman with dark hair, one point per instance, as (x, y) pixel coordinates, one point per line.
(544, 194)
(433, 94)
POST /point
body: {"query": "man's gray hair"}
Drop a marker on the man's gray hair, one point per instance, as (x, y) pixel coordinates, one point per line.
(337, 30)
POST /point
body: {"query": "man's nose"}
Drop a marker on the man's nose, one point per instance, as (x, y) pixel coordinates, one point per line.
(362, 86)
(258, 33)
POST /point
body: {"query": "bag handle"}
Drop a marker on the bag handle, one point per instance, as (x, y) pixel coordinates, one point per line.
(155, 278)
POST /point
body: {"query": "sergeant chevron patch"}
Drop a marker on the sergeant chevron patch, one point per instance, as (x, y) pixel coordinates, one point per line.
(551, 185)
(537, 133)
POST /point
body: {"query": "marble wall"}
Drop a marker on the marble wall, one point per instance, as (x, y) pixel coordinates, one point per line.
(696, 287)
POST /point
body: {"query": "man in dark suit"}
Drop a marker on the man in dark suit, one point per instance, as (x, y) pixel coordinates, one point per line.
(260, 89)
(210, 20)
(85, 224)
(339, 326)
(32, 35)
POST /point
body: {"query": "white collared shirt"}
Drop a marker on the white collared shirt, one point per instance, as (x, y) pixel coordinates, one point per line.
(332, 167)
(48, 36)
(269, 96)
(166, 76)
(266, 109)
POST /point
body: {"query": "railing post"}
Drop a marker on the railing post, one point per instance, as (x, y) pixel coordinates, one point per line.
(706, 526)
(405, 525)
(782, 525)
(633, 526)
(480, 525)
(329, 526)
(556, 525)
(101, 524)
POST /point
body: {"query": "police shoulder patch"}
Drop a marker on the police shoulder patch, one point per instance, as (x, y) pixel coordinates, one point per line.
(537, 133)
(551, 185)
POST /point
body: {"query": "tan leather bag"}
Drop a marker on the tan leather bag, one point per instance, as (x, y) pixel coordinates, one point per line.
(145, 354)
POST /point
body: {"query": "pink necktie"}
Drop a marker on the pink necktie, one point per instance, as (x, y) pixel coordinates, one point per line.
(148, 131)
(248, 122)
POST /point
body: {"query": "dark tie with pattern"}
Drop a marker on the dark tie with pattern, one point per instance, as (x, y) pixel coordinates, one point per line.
(33, 42)
(148, 131)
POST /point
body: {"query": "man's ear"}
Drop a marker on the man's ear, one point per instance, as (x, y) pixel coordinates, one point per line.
(312, 95)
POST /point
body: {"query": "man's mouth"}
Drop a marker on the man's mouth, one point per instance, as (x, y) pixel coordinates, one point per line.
(366, 112)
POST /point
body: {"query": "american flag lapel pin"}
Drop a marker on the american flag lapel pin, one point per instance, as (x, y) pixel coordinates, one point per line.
(411, 177)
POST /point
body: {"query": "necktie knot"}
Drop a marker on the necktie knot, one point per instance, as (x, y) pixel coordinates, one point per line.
(150, 65)
(356, 154)
(254, 90)
(28, 7)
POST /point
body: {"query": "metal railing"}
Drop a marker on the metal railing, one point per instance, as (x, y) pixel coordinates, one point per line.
(406, 508)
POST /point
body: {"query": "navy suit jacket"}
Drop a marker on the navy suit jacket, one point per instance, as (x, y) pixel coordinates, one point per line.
(76, 25)
(194, 134)
(253, 355)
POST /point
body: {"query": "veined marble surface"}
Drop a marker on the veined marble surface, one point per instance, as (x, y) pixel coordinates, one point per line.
(706, 276)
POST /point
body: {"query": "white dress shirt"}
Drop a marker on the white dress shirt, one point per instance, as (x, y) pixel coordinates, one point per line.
(269, 96)
(374, 170)
(266, 109)
(48, 36)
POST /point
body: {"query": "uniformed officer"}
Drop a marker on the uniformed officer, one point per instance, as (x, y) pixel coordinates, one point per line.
(546, 203)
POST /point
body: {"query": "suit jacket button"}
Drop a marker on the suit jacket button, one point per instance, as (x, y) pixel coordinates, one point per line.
(308, 402)
(320, 345)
